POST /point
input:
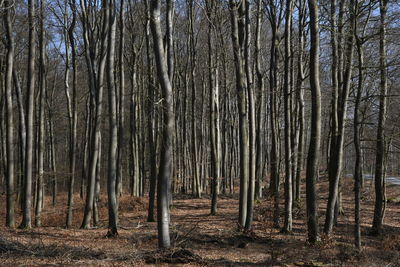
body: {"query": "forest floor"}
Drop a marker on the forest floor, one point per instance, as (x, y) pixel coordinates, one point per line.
(203, 240)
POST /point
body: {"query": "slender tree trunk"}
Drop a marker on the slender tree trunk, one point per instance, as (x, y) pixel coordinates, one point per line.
(287, 111)
(150, 119)
(315, 137)
(26, 218)
(300, 99)
(380, 143)
(113, 142)
(165, 171)
(41, 148)
(237, 10)
(10, 220)
(336, 158)
(121, 121)
(72, 112)
(252, 121)
(22, 136)
(357, 137)
(97, 87)
(261, 112)
(214, 122)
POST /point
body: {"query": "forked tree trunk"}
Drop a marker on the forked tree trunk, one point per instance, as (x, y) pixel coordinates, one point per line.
(336, 158)
(97, 85)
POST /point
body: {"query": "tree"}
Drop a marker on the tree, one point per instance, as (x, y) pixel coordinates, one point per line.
(238, 24)
(339, 117)
(214, 108)
(113, 142)
(96, 69)
(72, 110)
(165, 169)
(315, 137)
(380, 138)
(26, 215)
(10, 220)
(287, 106)
(42, 93)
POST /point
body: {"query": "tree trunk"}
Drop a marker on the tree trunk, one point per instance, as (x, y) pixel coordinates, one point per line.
(315, 137)
(165, 171)
(380, 138)
(26, 215)
(336, 157)
(113, 141)
(252, 120)
(72, 111)
(287, 228)
(261, 117)
(10, 220)
(97, 86)
(41, 148)
(237, 10)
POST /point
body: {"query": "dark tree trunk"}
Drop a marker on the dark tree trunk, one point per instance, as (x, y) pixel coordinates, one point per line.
(380, 143)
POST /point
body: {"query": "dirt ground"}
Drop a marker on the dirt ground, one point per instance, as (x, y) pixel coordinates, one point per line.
(203, 240)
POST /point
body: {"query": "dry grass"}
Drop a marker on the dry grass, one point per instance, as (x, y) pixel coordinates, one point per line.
(200, 239)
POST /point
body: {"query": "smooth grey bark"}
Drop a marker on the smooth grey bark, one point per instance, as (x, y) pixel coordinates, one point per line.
(380, 137)
(121, 106)
(274, 15)
(252, 120)
(336, 157)
(261, 110)
(51, 151)
(315, 136)
(357, 146)
(152, 158)
(193, 74)
(72, 111)
(358, 171)
(26, 214)
(10, 220)
(300, 97)
(22, 136)
(213, 87)
(214, 106)
(113, 125)
(42, 92)
(165, 171)
(287, 111)
(96, 71)
(237, 11)
(97, 187)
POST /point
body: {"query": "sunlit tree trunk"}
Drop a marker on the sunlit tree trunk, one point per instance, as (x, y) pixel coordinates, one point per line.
(315, 137)
(237, 10)
(10, 220)
(165, 171)
(26, 218)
